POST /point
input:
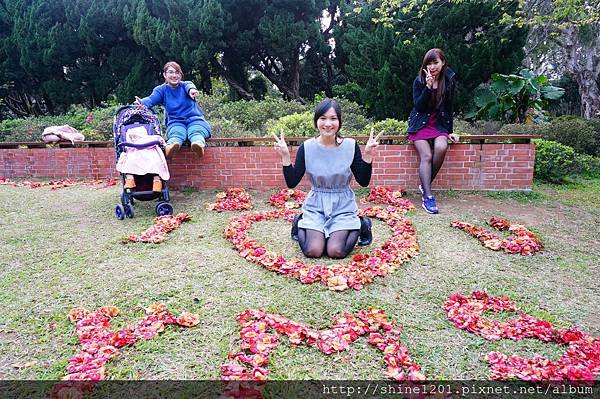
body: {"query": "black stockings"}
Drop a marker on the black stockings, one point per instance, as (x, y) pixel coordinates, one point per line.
(338, 245)
(431, 158)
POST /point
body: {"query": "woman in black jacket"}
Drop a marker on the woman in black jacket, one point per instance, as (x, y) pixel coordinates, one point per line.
(430, 121)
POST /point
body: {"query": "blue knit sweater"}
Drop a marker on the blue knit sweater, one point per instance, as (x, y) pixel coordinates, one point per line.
(179, 106)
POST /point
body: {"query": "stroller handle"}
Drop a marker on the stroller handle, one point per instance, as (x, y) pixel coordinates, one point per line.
(144, 145)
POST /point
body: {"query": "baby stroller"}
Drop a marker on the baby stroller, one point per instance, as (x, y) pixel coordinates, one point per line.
(130, 117)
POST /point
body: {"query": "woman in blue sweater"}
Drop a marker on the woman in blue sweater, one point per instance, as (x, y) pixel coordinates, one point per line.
(185, 118)
(430, 121)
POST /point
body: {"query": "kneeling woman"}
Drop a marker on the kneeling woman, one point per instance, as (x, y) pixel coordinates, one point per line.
(329, 222)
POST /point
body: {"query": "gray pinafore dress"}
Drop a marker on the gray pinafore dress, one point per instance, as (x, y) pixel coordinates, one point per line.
(331, 204)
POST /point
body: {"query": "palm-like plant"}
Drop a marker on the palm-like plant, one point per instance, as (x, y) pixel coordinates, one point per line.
(515, 98)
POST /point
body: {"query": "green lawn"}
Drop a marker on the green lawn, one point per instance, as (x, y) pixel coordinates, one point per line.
(63, 248)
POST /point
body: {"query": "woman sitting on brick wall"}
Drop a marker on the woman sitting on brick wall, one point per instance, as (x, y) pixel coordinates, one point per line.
(430, 121)
(185, 118)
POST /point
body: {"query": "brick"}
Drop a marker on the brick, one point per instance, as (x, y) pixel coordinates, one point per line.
(467, 166)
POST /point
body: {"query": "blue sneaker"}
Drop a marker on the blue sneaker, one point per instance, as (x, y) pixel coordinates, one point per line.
(429, 205)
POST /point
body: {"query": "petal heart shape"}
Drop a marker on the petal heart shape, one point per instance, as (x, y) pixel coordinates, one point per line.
(360, 270)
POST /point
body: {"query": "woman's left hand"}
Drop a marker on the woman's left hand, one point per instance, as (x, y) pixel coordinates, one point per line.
(454, 137)
(194, 93)
(372, 143)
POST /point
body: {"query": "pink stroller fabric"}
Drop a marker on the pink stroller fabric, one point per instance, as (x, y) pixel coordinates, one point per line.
(145, 160)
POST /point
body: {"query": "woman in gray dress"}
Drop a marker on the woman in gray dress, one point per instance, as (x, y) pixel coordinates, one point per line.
(329, 222)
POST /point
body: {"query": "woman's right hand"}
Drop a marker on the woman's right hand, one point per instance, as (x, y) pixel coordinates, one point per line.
(138, 102)
(428, 78)
(282, 148)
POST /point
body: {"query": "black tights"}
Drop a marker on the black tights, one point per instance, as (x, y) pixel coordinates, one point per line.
(431, 158)
(339, 244)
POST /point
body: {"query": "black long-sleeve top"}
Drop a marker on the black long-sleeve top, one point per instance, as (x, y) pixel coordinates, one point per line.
(360, 169)
(422, 110)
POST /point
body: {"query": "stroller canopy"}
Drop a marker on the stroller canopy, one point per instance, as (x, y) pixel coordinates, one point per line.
(130, 114)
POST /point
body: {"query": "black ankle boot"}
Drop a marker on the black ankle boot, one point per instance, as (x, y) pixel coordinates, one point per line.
(295, 226)
(366, 236)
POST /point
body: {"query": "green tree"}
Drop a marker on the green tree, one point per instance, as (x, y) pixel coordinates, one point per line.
(69, 52)
(564, 34)
(565, 39)
(383, 59)
(274, 37)
(187, 31)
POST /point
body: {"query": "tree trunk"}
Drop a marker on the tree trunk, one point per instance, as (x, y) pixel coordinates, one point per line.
(24, 105)
(583, 63)
(570, 52)
(291, 91)
(243, 93)
(327, 36)
(205, 83)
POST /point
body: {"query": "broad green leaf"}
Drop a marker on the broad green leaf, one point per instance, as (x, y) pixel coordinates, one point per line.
(485, 97)
(515, 86)
(471, 114)
(552, 92)
(542, 80)
(526, 73)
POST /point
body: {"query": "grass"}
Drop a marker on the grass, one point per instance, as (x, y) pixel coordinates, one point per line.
(63, 248)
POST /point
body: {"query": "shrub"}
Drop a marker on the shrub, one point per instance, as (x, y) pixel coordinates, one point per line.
(101, 124)
(350, 91)
(554, 161)
(576, 132)
(389, 126)
(30, 129)
(211, 105)
(462, 127)
(588, 165)
(295, 125)
(254, 115)
(524, 128)
(354, 117)
(227, 128)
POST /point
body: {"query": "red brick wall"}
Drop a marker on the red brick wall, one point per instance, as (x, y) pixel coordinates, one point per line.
(467, 166)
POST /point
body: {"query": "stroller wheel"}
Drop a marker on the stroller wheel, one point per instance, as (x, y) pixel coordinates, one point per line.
(120, 212)
(129, 211)
(164, 208)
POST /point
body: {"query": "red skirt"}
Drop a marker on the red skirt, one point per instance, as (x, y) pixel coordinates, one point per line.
(429, 131)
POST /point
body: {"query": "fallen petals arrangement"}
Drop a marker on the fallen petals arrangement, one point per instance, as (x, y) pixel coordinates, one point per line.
(386, 195)
(232, 199)
(361, 269)
(522, 241)
(58, 184)
(259, 336)
(162, 225)
(99, 344)
(581, 360)
(288, 199)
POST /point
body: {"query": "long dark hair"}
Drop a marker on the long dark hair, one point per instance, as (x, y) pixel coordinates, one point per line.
(323, 107)
(437, 97)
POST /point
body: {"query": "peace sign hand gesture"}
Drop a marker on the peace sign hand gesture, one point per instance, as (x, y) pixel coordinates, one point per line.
(282, 148)
(428, 78)
(372, 143)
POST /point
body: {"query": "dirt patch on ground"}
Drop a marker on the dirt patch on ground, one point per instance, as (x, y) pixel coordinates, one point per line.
(574, 225)
(481, 206)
